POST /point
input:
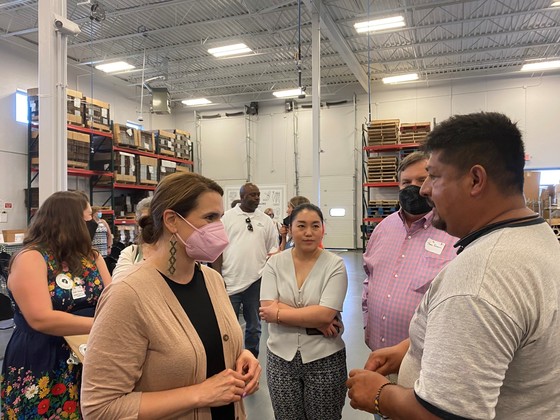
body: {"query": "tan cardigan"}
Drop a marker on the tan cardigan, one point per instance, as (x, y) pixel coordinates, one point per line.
(142, 340)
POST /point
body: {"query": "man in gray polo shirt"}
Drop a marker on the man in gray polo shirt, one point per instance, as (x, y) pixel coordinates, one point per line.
(485, 339)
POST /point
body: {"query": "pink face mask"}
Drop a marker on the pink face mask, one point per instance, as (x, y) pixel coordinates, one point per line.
(207, 243)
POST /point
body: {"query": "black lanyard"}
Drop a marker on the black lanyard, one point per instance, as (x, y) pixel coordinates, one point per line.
(534, 219)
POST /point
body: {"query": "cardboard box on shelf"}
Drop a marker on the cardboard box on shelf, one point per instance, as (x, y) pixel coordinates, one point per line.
(13, 235)
(148, 170)
(531, 185)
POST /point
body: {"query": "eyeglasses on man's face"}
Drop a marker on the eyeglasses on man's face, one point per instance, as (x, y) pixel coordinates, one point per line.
(249, 225)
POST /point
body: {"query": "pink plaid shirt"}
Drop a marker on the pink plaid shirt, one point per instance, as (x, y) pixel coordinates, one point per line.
(400, 263)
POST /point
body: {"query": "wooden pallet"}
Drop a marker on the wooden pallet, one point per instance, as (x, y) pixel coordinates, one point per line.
(167, 152)
(384, 123)
(76, 164)
(97, 126)
(387, 178)
(125, 179)
(147, 182)
(75, 120)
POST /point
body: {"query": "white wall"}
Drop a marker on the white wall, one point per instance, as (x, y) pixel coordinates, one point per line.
(19, 70)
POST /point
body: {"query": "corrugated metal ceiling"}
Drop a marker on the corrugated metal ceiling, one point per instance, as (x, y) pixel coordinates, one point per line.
(442, 39)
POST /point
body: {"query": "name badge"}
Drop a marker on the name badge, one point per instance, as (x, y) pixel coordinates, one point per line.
(434, 246)
(78, 292)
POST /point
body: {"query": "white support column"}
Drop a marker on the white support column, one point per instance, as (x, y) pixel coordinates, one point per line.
(52, 101)
(316, 100)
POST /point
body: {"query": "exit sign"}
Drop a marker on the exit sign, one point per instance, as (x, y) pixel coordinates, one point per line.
(8, 205)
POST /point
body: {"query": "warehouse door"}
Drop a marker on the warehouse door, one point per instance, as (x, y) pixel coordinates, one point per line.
(337, 194)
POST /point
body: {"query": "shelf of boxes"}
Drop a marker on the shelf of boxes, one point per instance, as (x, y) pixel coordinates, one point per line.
(79, 139)
(385, 143)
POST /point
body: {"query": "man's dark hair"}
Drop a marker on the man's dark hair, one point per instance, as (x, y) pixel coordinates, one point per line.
(489, 139)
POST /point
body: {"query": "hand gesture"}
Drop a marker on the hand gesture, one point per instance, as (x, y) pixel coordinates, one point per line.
(387, 360)
(223, 388)
(250, 369)
(362, 387)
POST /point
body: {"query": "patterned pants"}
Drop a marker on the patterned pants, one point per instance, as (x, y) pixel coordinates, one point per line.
(307, 391)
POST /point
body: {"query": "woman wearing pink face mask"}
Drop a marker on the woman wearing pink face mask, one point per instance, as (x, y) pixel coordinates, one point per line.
(165, 341)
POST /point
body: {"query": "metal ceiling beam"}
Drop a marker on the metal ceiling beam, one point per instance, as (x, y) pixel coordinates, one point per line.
(5, 5)
(339, 43)
(127, 11)
(185, 26)
(189, 45)
(455, 21)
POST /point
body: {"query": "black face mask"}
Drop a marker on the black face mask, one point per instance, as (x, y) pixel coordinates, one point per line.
(92, 227)
(412, 202)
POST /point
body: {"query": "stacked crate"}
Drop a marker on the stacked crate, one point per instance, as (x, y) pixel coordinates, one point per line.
(165, 143)
(34, 145)
(146, 141)
(34, 197)
(125, 167)
(383, 132)
(382, 169)
(182, 167)
(78, 149)
(33, 103)
(74, 111)
(97, 114)
(166, 167)
(148, 174)
(414, 132)
(124, 136)
(183, 145)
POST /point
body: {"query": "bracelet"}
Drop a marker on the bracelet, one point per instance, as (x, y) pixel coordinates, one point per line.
(377, 398)
(278, 316)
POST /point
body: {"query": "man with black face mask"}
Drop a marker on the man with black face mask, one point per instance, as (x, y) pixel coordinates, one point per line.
(403, 255)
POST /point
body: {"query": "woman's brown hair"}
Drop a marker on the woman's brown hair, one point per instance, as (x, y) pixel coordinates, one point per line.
(59, 227)
(178, 192)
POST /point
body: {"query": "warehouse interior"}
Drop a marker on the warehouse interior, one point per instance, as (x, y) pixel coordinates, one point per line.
(460, 56)
(468, 56)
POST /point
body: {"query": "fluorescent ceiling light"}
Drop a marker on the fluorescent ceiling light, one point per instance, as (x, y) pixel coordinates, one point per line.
(543, 65)
(555, 4)
(198, 101)
(116, 66)
(288, 93)
(228, 50)
(401, 78)
(380, 24)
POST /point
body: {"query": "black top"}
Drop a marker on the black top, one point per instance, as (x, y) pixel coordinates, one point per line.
(195, 300)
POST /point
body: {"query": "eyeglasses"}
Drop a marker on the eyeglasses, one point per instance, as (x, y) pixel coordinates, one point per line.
(249, 225)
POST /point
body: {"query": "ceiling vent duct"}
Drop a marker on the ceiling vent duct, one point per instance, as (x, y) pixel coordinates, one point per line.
(161, 101)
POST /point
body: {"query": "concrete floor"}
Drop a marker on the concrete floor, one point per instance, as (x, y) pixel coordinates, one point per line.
(258, 406)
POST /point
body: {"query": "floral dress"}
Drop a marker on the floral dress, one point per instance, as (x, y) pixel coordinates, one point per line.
(37, 382)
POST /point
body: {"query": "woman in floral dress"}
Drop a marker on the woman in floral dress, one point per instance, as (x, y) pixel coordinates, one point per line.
(55, 282)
